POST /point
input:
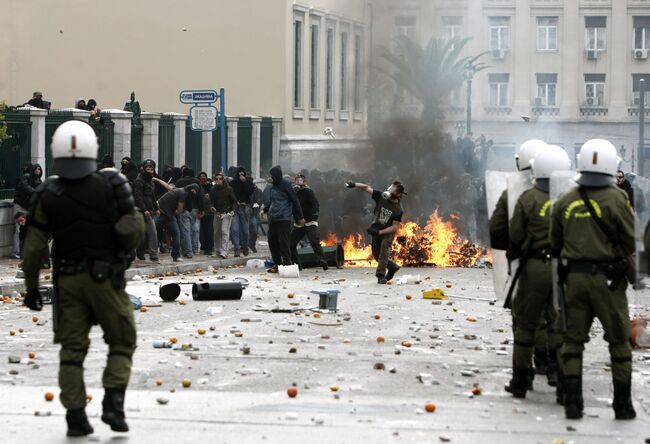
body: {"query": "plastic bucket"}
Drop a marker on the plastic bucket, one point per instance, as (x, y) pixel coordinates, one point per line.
(289, 271)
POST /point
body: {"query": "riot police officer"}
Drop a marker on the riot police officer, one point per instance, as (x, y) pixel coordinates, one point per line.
(592, 231)
(533, 304)
(93, 221)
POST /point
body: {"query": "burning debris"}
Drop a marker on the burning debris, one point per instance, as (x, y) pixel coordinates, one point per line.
(437, 244)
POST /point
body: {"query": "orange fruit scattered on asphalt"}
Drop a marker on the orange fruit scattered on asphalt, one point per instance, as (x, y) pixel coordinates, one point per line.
(346, 341)
(201, 331)
(409, 297)
(49, 396)
(12, 332)
(31, 355)
(317, 315)
(377, 316)
(187, 383)
(291, 295)
(173, 340)
(89, 397)
(143, 309)
(406, 343)
(448, 285)
(380, 339)
(471, 318)
(159, 381)
(292, 392)
(430, 407)
(21, 330)
(181, 302)
(334, 388)
(476, 391)
(34, 318)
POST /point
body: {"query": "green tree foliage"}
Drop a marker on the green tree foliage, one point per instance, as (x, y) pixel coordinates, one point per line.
(430, 73)
(3, 126)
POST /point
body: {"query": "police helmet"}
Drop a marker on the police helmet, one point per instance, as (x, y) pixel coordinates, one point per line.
(74, 150)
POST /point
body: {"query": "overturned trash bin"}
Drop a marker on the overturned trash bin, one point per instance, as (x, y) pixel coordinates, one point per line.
(328, 298)
(217, 291)
(333, 255)
(169, 292)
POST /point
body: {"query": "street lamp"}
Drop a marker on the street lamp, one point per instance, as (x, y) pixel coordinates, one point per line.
(471, 69)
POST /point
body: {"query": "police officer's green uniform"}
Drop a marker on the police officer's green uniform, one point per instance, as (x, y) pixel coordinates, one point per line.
(533, 305)
(92, 220)
(592, 267)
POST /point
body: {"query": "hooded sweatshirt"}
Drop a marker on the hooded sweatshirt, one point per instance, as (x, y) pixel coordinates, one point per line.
(284, 202)
(222, 198)
(26, 186)
(193, 202)
(169, 202)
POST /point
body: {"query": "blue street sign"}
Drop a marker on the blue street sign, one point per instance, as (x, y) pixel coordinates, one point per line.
(199, 96)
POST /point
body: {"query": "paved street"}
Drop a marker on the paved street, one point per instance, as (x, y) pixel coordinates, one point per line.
(351, 388)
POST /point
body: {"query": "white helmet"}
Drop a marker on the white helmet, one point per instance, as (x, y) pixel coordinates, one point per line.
(598, 163)
(74, 150)
(527, 151)
(553, 158)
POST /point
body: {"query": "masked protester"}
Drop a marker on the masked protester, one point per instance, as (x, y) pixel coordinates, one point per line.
(385, 223)
(243, 187)
(206, 233)
(284, 207)
(310, 211)
(93, 221)
(223, 203)
(145, 200)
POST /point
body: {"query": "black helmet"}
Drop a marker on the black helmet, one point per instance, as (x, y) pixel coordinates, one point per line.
(148, 162)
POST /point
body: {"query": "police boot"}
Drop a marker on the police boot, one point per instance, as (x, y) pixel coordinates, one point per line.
(623, 408)
(113, 405)
(573, 402)
(540, 359)
(78, 424)
(552, 369)
(323, 263)
(518, 384)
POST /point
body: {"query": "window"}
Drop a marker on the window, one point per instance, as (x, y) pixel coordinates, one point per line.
(596, 31)
(452, 27)
(344, 70)
(298, 21)
(406, 25)
(313, 63)
(329, 75)
(546, 90)
(641, 32)
(498, 89)
(636, 88)
(547, 33)
(499, 33)
(595, 89)
(357, 72)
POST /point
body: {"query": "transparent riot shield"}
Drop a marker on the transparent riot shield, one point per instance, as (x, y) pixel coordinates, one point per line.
(641, 201)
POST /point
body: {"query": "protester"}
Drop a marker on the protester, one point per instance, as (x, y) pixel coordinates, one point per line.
(25, 188)
(145, 201)
(171, 204)
(224, 203)
(206, 231)
(243, 188)
(37, 101)
(190, 217)
(310, 210)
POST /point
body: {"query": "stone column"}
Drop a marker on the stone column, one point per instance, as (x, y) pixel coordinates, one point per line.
(231, 122)
(37, 117)
(277, 134)
(121, 133)
(255, 146)
(206, 152)
(571, 47)
(180, 122)
(523, 49)
(619, 50)
(150, 124)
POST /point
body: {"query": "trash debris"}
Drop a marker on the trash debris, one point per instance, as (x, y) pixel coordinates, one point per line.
(255, 264)
(408, 279)
(162, 401)
(49, 396)
(289, 271)
(292, 392)
(639, 333)
(430, 407)
(162, 344)
(435, 293)
(136, 301)
(186, 383)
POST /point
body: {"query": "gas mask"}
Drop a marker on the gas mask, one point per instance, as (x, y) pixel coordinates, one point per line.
(391, 191)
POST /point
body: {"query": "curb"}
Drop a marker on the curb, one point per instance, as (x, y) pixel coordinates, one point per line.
(174, 267)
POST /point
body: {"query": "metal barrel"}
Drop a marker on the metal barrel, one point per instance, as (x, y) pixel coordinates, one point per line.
(7, 228)
(217, 291)
(169, 292)
(333, 255)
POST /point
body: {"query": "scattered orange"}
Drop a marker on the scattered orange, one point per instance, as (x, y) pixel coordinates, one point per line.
(201, 331)
(12, 332)
(430, 407)
(21, 330)
(346, 341)
(448, 285)
(471, 318)
(377, 316)
(317, 315)
(181, 302)
(89, 397)
(409, 297)
(292, 392)
(49, 396)
(31, 355)
(34, 318)
(173, 340)
(380, 339)
(291, 295)
(334, 388)
(476, 390)
(143, 309)
(187, 383)
(406, 343)
(159, 381)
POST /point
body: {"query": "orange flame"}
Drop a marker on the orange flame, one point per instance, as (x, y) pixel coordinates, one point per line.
(436, 244)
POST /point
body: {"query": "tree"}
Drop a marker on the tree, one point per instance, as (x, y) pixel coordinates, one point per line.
(3, 126)
(430, 73)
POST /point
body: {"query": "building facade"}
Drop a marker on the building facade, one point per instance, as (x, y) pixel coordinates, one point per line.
(561, 70)
(302, 63)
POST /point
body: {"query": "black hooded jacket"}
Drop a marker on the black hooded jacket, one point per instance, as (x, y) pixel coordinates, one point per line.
(243, 190)
(144, 193)
(308, 203)
(284, 201)
(26, 186)
(193, 201)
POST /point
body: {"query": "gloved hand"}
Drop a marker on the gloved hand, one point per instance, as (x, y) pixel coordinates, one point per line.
(372, 231)
(349, 184)
(33, 300)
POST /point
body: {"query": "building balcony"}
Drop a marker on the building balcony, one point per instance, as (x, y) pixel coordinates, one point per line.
(546, 110)
(593, 111)
(498, 110)
(633, 111)
(453, 111)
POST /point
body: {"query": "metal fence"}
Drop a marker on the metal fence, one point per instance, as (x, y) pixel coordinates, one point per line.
(193, 148)
(266, 146)
(15, 151)
(217, 149)
(245, 143)
(137, 132)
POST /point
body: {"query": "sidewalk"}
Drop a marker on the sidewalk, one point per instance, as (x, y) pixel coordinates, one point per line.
(9, 267)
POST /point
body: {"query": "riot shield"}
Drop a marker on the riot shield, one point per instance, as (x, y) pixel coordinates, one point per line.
(560, 182)
(517, 184)
(641, 187)
(496, 182)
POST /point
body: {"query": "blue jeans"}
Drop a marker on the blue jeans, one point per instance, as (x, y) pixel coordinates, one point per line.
(240, 229)
(171, 224)
(189, 232)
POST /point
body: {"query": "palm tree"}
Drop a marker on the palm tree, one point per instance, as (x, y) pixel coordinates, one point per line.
(431, 73)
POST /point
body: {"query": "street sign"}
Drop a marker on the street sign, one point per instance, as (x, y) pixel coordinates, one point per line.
(199, 96)
(203, 118)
